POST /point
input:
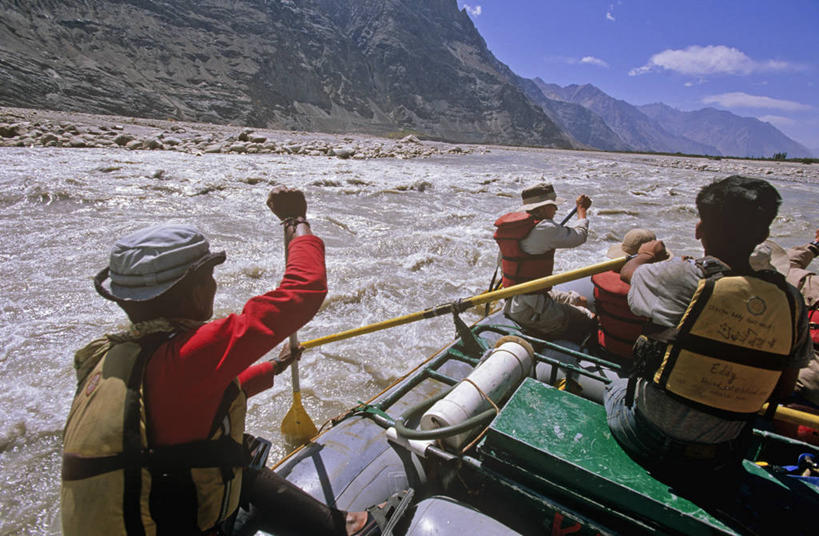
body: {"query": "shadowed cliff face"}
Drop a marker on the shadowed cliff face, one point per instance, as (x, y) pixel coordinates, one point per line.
(373, 66)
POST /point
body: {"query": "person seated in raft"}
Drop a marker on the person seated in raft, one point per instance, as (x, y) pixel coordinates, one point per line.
(154, 438)
(793, 265)
(618, 326)
(527, 240)
(722, 340)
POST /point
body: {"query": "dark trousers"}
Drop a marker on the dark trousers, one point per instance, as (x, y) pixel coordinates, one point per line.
(278, 506)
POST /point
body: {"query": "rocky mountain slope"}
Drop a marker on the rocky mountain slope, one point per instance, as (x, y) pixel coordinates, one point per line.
(383, 67)
(731, 134)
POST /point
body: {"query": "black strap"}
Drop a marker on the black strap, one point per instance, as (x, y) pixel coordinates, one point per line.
(204, 453)
(77, 467)
(602, 310)
(610, 335)
(528, 257)
(728, 352)
(131, 439)
(230, 395)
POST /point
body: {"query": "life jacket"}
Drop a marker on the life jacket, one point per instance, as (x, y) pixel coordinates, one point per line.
(619, 327)
(517, 265)
(113, 481)
(798, 277)
(728, 351)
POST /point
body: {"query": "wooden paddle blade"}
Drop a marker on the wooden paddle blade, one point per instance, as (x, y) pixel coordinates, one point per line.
(297, 427)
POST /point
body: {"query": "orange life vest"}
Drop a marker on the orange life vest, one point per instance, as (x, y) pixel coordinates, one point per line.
(517, 265)
(619, 327)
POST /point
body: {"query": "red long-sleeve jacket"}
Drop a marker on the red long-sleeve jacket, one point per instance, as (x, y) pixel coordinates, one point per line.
(187, 376)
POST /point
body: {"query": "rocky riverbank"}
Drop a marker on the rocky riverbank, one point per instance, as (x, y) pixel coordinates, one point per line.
(26, 127)
(23, 127)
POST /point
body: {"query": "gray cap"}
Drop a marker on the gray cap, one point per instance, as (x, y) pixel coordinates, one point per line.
(148, 262)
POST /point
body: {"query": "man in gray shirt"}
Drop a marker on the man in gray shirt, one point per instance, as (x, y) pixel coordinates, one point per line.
(528, 240)
(737, 337)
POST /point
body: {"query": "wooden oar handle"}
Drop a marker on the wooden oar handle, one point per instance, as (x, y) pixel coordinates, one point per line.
(294, 338)
(569, 216)
(294, 365)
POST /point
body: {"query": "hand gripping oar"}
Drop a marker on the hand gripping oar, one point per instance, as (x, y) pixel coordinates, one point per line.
(297, 427)
(493, 286)
(464, 304)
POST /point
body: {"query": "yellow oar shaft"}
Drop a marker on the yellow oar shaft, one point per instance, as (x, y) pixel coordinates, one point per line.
(546, 282)
(794, 416)
(523, 288)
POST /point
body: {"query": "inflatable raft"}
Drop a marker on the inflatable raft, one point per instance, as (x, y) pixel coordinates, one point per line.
(491, 444)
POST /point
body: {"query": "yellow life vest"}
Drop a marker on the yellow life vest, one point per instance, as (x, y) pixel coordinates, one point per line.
(728, 351)
(111, 476)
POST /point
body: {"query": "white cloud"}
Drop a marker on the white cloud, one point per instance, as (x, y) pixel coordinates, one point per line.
(743, 100)
(777, 120)
(474, 11)
(711, 59)
(694, 83)
(610, 13)
(568, 60)
(594, 61)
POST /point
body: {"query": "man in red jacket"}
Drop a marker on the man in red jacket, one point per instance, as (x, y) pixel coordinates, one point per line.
(154, 442)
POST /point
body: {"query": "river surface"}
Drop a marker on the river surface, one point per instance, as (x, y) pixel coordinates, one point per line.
(401, 235)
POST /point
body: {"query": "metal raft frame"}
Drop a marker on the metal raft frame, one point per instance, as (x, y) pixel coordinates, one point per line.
(554, 501)
(468, 348)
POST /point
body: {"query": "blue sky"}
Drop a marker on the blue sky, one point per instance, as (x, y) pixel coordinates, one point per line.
(753, 58)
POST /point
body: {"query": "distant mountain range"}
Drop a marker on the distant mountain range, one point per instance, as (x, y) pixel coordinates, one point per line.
(637, 130)
(731, 134)
(385, 67)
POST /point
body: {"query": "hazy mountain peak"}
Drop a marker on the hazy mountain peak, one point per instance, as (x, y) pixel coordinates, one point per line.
(731, 134)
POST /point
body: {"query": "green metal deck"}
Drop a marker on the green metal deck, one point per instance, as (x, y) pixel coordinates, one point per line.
(565, 440)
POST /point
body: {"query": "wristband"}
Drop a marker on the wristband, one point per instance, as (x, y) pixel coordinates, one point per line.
(293, 221)
(278, 368)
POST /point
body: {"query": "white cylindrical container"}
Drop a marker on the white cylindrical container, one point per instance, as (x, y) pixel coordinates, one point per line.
(505, 368)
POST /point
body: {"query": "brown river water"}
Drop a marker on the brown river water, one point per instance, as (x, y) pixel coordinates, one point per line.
(401, 236)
